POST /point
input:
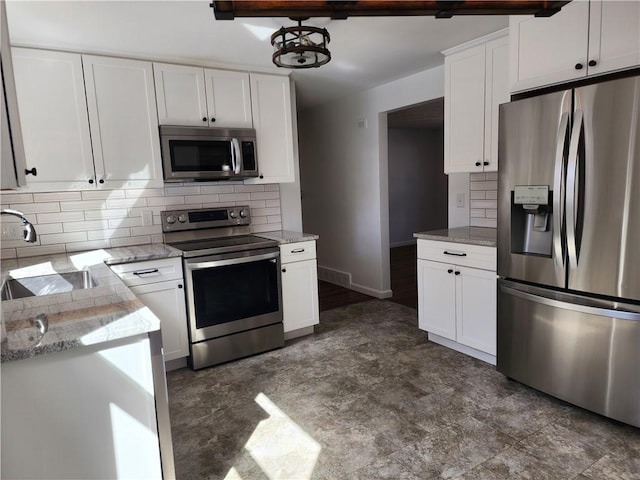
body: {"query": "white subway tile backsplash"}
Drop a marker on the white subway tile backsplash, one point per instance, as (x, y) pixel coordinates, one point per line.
(57, 238)
(76, 221)
(477, 213)
(491, 194)
(484, 204)
(102, 194)
(60, 217)
(491, 176)
(483, 222)
(492, 213)
(57, 197)
(106, 213)
(477, 194)
(476, 177)
(486, 185)
(82, 205)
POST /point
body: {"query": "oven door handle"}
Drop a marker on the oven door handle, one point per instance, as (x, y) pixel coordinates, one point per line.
(230, 261)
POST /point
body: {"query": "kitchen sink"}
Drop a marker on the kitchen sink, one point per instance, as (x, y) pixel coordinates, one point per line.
(14, 288)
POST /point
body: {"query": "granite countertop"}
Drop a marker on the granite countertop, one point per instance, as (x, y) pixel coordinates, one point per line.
(106, 312)
(468, 235)
(286, 236)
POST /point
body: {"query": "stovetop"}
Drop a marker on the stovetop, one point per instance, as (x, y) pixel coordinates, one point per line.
(213, 246)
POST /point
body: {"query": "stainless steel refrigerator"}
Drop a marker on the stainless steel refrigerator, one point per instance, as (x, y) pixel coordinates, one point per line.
(569, 245)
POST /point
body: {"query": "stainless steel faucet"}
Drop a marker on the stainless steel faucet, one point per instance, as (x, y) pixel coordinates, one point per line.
(29, 231)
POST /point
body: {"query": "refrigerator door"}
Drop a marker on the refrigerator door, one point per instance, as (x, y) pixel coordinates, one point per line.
(604, 206)
(576, 348)
(533, 145)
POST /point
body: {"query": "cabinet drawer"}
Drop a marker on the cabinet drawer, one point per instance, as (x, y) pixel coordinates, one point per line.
(296, 252)
(474, 256)
(151, 271)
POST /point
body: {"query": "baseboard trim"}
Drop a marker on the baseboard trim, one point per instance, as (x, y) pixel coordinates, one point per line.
(337, 277)
(472, 352)
(300, 332)
(372, 292)
(175, 364)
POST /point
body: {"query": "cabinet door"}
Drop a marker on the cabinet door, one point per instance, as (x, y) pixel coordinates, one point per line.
(476, 309)
(166, 301)
(228, 99)
(546, 50)
(271, 106)
(437, 298)
(53, 113)
(180, 94)
(464, 97)
(299, 295)
(123, 121)
(614, 36)
(496, 92)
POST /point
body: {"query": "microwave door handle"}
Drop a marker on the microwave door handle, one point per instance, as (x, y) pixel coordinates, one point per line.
(235, 148)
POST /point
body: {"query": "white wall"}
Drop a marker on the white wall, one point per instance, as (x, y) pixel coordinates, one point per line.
(417, 184)
(343, 165)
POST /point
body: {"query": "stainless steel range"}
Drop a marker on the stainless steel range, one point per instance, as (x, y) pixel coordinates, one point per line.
(233, 291)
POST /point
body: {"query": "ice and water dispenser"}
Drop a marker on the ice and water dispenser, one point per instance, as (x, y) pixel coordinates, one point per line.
(531, 220)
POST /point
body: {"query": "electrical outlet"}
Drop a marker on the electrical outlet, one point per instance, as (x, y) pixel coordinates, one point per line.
(147, 218)
(460, 200)
(12, 232)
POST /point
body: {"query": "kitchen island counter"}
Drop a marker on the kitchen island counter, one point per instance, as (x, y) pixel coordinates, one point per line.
(106, 312)
(467, 235)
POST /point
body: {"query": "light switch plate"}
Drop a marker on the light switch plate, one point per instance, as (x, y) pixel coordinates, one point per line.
(460, 200)
(12, 232)
(147, 218)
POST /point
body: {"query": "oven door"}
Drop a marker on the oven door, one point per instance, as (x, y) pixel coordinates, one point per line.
(233, 292)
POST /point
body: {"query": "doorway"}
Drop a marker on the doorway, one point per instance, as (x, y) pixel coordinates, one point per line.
(418, 189)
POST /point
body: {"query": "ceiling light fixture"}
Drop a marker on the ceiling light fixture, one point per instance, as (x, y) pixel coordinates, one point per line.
(300, 47)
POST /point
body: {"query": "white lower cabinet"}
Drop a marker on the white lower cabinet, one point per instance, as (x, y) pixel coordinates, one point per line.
(159, 285)
(456, 301)
(299, 288)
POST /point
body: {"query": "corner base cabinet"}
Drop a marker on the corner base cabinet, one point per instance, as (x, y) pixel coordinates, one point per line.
(299, 288)
(457, 296)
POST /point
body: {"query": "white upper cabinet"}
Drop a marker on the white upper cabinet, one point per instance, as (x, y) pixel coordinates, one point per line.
(584, 38)
(53, 113)
(202, 97)
(228, 98)
(476, 83)
(272, 119)
(123, 121)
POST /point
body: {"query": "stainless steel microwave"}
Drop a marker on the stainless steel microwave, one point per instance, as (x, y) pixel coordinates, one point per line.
(203, 153)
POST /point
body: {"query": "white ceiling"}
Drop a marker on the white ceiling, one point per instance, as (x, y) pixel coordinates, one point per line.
(366, 52)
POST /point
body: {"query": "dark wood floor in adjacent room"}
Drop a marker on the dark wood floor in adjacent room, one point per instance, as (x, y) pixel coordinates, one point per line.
(404, 283)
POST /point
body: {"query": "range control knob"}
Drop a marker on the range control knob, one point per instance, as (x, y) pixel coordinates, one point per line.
(244, 213)
(171, 219)
(182, 217)
(233, 214)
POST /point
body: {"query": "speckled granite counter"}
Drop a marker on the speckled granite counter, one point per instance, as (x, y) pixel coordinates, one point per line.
(286, 236)
(468, 235)
(106, 312)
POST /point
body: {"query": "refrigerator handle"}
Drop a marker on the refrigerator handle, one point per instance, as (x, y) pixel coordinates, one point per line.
(558, 190)
(573, 305)
(572, 192)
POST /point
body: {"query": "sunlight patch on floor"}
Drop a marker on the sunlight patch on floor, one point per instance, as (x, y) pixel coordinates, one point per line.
(280, 447)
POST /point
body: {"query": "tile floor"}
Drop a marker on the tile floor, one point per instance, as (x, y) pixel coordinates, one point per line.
(368, 397)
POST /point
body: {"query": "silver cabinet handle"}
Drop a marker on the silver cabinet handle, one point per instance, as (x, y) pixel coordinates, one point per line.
(146, 272)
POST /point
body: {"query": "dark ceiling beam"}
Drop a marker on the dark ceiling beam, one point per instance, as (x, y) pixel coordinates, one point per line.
(338, 9)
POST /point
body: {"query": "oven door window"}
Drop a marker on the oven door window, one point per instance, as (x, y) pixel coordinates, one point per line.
(232, 292)
(200, 155)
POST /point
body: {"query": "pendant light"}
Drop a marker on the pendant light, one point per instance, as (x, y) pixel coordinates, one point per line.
(300, 47)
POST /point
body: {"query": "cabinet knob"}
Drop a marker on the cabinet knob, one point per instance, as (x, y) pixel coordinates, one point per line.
(91, 181)
(450, 271)
(179, 285)
(478, 164)
(261, 176)
(204, 119)
(578, 66)
(457, 273)
(101, 180)
(213, 119)
(592, 63)
(485, 163)
(284, 270)
(32, 171)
